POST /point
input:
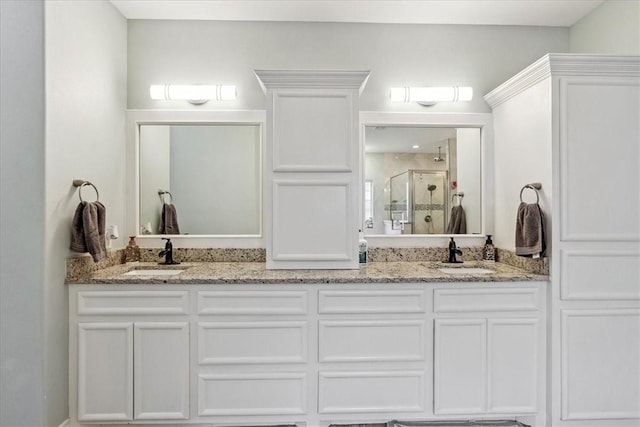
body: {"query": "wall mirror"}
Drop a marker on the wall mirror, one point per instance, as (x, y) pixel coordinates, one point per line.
(199, 178)
(425, 174)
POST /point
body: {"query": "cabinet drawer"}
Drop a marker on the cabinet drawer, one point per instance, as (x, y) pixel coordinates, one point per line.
(368, 392)
(344, 302)
(132, 302)
(252, 342)
(252, 302)
(371, 340)
(274, 393)
(461, 300)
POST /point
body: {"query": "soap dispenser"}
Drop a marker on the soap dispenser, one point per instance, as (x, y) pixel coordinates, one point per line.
(132, 251)
(489, 251)
(362, 248)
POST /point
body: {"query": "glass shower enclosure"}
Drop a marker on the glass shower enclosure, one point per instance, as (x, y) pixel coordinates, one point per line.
(419, 202)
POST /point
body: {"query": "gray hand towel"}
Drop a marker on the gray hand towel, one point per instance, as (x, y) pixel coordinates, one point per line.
(169, 220)
(88, 230)
(457, 222)
(77, 231)
(530, 236)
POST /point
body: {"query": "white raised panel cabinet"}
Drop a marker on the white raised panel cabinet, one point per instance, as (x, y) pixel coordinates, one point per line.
(105, 371)
(485, 366)
(460, 365)
(312, 168)
(161, 370)
(578, 115)
(316, 354)
(127, 364)
(601, 364)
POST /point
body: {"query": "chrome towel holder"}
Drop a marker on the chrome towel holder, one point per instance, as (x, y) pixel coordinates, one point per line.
(535, 186)
(83, 183)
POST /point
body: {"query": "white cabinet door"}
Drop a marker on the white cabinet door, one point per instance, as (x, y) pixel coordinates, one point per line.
(105, 371)
(161, 365)
(600, 369)
(512, 365)
(485, 366)
(460, 366)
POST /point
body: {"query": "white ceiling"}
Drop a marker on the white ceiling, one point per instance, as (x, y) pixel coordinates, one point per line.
(554, 13)
(401, 139)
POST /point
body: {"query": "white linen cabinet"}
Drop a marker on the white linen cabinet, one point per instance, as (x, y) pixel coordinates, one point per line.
(581, 114)
(312, 168)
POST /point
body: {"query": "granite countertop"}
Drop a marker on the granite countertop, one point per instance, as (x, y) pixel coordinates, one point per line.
(256, 273)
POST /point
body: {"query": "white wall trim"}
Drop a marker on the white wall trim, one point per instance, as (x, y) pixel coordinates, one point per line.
(66, 423)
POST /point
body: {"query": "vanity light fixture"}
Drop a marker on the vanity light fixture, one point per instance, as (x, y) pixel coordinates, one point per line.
(195, 94)
(431, 95)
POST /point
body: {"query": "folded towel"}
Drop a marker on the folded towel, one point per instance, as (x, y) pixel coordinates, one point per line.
(88, 230)
(530, 234)
(169, 220)
(457, 222)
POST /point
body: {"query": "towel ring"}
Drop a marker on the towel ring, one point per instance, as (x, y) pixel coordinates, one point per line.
(535, 187)
(454, 195)
(162, 193)
(82, 183)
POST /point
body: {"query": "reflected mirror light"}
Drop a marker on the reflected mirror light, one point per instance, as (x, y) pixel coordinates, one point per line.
(411, 190)
(213, 175)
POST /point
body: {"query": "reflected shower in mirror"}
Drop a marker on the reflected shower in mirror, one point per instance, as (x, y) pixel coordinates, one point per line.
(208, 174)
(416, 177)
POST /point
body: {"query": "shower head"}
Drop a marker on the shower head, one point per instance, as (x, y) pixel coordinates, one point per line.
(431, 187)
(439, 158)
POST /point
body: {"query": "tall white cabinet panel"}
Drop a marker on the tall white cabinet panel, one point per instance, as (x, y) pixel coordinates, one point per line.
(601, 373)
(295, 238)
(313, 168)
(161, 366)
(593, 103)
(312, 130)
(599, 115)
(105, 371)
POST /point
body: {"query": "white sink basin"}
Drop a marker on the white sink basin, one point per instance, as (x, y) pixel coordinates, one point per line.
(465, 270)
(153, 272)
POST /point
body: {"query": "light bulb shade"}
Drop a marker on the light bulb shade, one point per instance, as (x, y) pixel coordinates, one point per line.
(192, 93)
(431, 94)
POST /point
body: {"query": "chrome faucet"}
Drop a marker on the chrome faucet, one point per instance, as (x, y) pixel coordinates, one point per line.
(453, 251)
(167, 253)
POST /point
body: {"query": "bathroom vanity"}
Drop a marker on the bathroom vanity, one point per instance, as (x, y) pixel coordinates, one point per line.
(236, 344)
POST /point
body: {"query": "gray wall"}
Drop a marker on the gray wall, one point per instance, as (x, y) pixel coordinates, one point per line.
(86, 73)
(76, 132)
(612, 28)
(22, 185)
(227, 52)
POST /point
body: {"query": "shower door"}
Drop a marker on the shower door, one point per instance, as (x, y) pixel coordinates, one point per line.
(429, 194)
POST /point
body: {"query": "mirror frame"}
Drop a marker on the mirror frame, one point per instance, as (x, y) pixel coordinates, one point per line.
(483, 121)
(137, 118)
